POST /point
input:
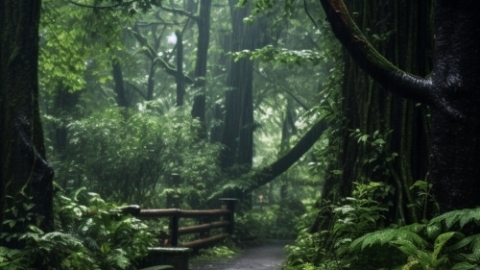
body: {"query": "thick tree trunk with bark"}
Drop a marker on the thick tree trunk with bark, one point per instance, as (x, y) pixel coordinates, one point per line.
(179, 78)
(24, 169)
(450, 92)
(122, 99)
(238, 128)
(198, 108)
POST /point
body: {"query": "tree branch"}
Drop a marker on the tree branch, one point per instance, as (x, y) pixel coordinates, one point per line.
(102, 7)
(369, 59)
(180, 12)
(268, 173)
(133, 87)
(152, 55)
(287, 90)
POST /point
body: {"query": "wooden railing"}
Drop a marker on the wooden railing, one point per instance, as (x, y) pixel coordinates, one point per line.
(225, 215)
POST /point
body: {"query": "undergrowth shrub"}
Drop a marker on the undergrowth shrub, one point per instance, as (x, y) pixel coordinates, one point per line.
(448, 241)
(129, 156)
(91, 234)
(358, 239)
(275, 221)
(352, 218)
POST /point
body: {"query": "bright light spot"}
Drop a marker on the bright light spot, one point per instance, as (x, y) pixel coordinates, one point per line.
(172, 39)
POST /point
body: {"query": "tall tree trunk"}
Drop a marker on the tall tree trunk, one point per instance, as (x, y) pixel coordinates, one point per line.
(369, 109)
(179, 78)
(119, 87)
(450, 92)
(198, 108)
(238, 127)
(25, 170)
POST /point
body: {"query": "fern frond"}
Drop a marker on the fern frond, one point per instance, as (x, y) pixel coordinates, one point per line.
(385, 236)
(463, 217)
(472, 239)
(464, 266)
(415, 227)
(442, 239)
(62, 240)
(409, 248)
(472, 257)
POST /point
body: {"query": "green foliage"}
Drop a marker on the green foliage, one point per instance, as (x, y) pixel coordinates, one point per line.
(129, 157)
(274, 221)
(72, 38)
(91, 234)
(282, 55)
(354, 217)
(433, 245)
(306, 247)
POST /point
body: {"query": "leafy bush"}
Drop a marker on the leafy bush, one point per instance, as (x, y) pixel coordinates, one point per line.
(328, 248)
(276, 221)
(129, 157)
(91, 234)
(353, 241)
(439, 244)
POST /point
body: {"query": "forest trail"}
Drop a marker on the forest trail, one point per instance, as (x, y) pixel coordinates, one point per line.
(269, 256)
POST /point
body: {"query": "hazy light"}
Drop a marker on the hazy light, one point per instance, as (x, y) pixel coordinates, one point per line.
(172, 39)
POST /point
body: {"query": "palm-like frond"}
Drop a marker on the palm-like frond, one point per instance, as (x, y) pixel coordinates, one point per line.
(462, 217)
(386, 236)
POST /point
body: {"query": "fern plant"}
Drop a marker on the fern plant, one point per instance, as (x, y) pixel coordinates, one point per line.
(90, 235)
(356, 216)
(439, 244)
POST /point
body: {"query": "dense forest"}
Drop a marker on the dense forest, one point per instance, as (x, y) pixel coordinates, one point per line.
(349, 126)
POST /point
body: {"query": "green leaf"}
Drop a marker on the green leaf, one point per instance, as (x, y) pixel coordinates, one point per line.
(464, 266)
(442, 239)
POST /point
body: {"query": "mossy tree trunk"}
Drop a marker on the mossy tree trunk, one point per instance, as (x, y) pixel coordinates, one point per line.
(25, 172)
(451, 91)
(392, 27)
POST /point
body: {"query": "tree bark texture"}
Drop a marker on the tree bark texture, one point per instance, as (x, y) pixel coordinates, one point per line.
(179, 78)
(200, 73)
(450, 91)
(122, 99)
(281, 165)
(25, 171)
(392, 27)
(238, 126)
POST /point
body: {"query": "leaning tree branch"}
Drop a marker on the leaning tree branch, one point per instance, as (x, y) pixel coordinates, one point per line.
(180, 12)
(287, 90)
(102, 7)
(270, 172)
(369, 59)
(152, 55)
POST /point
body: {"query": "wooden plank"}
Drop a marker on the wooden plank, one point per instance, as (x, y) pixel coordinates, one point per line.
(204, 241)
(202, 227)
(156, 213)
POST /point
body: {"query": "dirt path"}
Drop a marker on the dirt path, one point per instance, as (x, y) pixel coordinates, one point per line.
(269, 256)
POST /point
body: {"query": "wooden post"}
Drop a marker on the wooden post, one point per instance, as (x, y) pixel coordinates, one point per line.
(229, 204)
(133, 210)
(174, 230)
